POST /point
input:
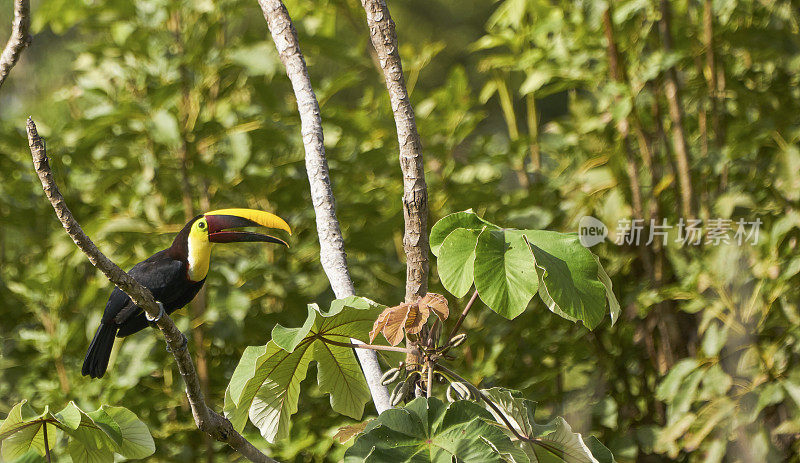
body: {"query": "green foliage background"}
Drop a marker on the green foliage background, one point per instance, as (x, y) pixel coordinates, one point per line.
(702, 365)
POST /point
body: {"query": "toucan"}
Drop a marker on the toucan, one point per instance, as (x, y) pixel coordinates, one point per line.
(174, 275)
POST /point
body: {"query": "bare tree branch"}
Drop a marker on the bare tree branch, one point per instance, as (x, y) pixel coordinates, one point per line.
(20, 38)
(206, 419)
(672, 91)
(332, 255)
(415, 191)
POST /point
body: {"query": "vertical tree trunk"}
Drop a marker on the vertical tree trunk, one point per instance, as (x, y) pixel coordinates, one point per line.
(415, 191)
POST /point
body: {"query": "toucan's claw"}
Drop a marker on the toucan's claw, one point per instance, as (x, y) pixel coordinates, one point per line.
(182, 347)
(161, 313)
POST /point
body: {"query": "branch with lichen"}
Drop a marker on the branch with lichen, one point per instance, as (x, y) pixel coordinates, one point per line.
(206, 419)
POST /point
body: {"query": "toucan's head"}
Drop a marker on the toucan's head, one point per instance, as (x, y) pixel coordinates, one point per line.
(196, 238)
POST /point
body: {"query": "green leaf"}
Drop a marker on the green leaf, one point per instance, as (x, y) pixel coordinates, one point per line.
(457, 259)
(551, 442)
(427, 430)
(668, 388)
(464, 219)
(288, 338)
(613, 304)
(569, 276)
(22, 431)
(136, 439)
(266, 384)
(106, 423)
(70, 416)
(81, 451)
(93, 436)
(505, 274)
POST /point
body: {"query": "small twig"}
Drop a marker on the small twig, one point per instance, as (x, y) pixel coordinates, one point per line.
(460, 320)
(20, 38)
(46, 444)
(206, 419)
(356, 345)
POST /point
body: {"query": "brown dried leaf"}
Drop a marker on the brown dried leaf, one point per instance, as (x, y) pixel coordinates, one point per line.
(396, 321)
(417, 317)
(380, 322)
(346, 433)
(437, 303)
(391, 322)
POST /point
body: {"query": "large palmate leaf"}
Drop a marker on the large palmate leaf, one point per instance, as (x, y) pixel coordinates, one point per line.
(551, 442)
(266, 384)
(93, 436)
(427, 430)
(508, 267)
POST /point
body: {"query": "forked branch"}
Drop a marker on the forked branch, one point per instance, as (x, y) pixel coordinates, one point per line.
(206, 419)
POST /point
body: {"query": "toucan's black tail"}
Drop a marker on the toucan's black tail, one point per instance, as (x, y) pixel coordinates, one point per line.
(96, 361)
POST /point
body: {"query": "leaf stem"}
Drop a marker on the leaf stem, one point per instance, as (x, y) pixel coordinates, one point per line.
(430, 379)
(369, 346)
(46, 443)
(454, 331)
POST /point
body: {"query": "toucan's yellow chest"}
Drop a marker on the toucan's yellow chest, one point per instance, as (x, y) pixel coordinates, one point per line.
(199, 256)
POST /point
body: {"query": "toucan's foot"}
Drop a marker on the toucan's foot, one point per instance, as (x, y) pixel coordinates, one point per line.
(184, 343)
(161, 313)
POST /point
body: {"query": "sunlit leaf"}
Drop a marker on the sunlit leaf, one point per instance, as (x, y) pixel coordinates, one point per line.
(266, 384)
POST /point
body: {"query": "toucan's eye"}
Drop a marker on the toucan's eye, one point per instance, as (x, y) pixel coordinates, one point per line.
(201, 225)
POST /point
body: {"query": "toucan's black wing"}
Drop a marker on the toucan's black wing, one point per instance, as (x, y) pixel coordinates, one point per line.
(161, 275)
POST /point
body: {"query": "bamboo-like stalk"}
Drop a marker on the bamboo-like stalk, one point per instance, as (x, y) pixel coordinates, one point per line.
(680, 146)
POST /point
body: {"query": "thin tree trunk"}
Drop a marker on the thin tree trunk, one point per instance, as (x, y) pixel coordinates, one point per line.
(680, 146)
(415, 191)
(332, 255)
(20, 38)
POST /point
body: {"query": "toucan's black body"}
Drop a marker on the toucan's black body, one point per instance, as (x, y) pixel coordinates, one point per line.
(166, 274)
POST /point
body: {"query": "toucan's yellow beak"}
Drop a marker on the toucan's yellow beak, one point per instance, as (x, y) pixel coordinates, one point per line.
(223, 219)
(265, 219)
